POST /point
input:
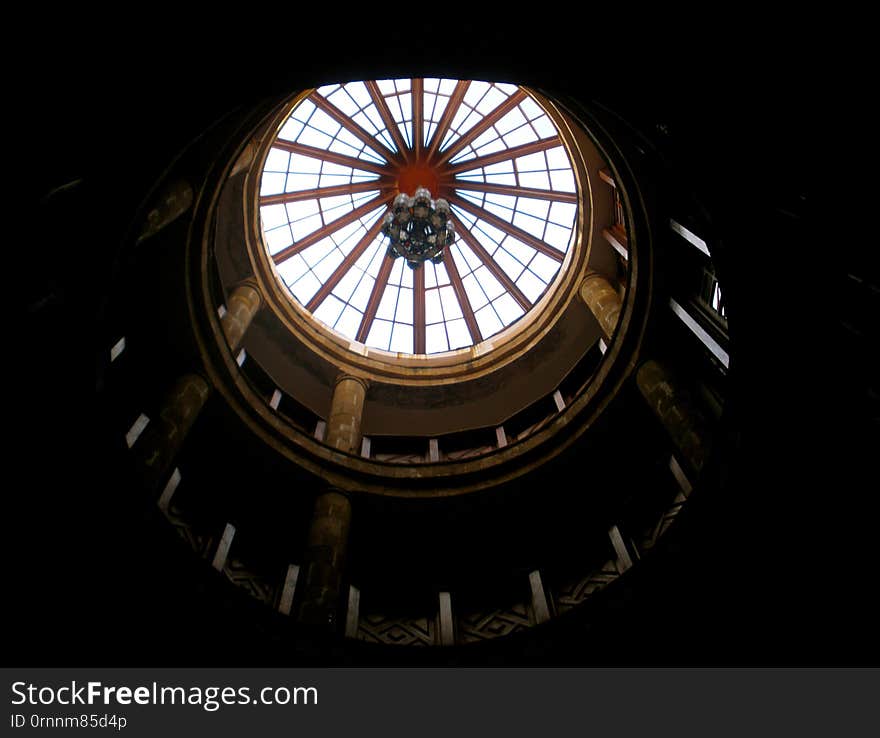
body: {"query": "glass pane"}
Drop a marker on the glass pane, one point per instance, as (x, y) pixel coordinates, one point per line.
(488, 321)
(404, 306)
(277, 161)
(433, 311)
(305, 287)
(292, 269)
(290, 130)
(304, 164)
(451, 308)
(306, 226)
(536, 180)
(442, 276)
(510, 265)
(491, 286)
(458, 333)
(563, 181)
(476, 297)
(435, 339)
(388, 304)
(349, 322)
(522, 252)
(531, 225)
(544, 267)
(346, 286)
(535, 208)
(380, 334)
(507, 308)
(328, 265)
(520, 136)
(273, 216)
(557, 158)
(402, 339)
(278, 238)
(329, 310)
(557, 237)
(563, 213)
(531, 286)
(342, 100)
(272, 184)
(299, 210)
(430, 275)
(361, 295)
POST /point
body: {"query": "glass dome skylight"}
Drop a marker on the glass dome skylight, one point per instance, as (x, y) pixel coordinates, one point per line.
(347, 150)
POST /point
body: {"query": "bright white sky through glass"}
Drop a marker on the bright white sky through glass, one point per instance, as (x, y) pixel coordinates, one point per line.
(333, 171)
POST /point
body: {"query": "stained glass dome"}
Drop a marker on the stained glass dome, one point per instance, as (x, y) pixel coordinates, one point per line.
(344, 153)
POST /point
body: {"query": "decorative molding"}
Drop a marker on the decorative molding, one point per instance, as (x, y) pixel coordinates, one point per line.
(397, 631)
(488, 624)
(201, 543)
(259, 586)
(576, 592)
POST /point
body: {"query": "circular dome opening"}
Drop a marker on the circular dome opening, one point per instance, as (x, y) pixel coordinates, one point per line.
(345, 151)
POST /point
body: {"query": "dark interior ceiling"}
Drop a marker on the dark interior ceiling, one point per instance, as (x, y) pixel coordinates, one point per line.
(775, 566)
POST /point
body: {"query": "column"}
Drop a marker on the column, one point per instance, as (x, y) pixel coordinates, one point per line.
(328, 533)
(245, 159)
(677, 411)
(324, 560)
(346, 412)
(159, 444)
(161, 441)
(241, 308)
(603, 301)
(174, 200)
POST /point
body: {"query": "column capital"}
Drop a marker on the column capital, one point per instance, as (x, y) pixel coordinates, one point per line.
(335, 492)
(363, 381)
(251, 283)
(593, 274)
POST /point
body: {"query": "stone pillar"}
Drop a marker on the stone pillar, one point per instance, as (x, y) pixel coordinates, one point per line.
(331, 520)
(159, 444)
(603, 301)
(324, 560)
(245, 159)
(174, 200)
(677, 412)
(241, 308)
(346, 412)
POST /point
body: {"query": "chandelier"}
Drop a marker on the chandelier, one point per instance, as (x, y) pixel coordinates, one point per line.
(419, 228)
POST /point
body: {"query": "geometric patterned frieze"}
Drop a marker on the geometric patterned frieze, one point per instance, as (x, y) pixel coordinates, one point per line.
(668, 517)
(575, 592)
(488, 624)
(260, 586)
(201, 543)
(397, 631)
(468, 453)
(424, 631)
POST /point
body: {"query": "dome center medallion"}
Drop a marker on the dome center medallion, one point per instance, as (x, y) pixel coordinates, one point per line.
(411, 176)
